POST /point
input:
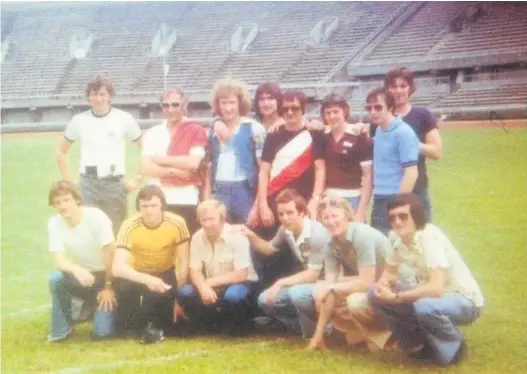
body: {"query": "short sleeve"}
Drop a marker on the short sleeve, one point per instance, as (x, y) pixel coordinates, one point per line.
(149, 144)
(408, 147)
(181, 230)
(268, 150)
(365, 150)
(195, 258)
(434, 251)
(104, 228)
(429, 122)
(124, 237)
(132, 129)
(279, 238)
(242, 253)
(365, 249)
(199, 142)
(319, 250)
(56, 240)
(319, 148)
(259, 135)
(72, 131)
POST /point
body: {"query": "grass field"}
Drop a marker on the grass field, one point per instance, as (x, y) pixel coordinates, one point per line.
(479, 193)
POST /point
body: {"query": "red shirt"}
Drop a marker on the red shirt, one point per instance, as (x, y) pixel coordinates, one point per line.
(191, 134)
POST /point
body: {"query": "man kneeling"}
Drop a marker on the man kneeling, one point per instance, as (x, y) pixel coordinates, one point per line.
(222, 275)
(149, 245)
(352, 265)
(82, 242)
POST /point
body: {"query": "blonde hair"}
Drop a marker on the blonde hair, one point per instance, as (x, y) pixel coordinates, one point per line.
(211, 204)
(334, 201)
(231, 87)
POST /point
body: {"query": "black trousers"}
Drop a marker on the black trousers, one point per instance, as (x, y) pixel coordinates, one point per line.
(188, 212)
(138, 305)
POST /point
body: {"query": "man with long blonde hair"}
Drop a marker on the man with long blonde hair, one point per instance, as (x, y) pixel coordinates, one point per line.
(233, 175)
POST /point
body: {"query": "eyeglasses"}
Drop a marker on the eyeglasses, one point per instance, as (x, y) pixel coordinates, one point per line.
(170, 105)
(293, 109)
(403, 217)
(376, 107)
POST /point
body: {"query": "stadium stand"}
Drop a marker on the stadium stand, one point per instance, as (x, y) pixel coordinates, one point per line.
(445, 43)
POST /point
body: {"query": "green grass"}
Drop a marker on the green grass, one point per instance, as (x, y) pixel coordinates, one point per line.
(479, 196)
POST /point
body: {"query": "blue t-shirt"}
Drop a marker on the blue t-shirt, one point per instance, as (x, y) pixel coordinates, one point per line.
(393, 150)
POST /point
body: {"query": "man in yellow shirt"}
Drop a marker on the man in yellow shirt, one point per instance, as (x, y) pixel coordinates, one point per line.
(148, 246)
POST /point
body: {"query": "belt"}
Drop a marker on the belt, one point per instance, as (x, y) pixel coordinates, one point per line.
(91, 173)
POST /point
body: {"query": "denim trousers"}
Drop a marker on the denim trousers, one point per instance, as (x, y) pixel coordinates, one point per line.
(62, 287)
(293, 306)
(238, 198)
(430, 320)
(233, 308)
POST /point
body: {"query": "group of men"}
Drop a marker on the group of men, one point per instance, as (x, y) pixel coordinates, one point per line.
(260, 218)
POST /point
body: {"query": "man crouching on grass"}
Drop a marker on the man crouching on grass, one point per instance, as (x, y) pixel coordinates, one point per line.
(81, 239)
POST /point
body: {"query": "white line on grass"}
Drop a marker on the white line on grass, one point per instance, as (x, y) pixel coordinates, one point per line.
(23, 312)
(157, 360)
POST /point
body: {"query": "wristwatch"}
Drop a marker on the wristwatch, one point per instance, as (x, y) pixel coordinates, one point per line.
(108, 284)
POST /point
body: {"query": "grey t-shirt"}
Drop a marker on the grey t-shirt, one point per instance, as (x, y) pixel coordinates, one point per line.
(364, 247)
(310, 248)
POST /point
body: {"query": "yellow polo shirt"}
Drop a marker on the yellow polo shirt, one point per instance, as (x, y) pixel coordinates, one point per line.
(153, 249)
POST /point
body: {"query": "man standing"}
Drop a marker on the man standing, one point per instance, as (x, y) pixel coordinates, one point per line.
(233, 176)
(148, 247)
(172, 153)
(101, 132)
(83, 246)
(395, 155)
(355, 261)
(348, 157)
(424, 318)
(292, 157)
(290, 299)
(222, 275)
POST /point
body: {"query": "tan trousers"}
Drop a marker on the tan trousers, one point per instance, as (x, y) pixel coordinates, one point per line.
(354, 317)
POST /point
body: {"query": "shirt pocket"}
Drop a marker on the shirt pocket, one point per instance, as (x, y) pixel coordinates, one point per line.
(225, 263)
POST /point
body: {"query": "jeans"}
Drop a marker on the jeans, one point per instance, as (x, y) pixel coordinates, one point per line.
(294, 307)
(379, 214)
(138, 305)
(430, 320)
(353, 202)
(232, 310)
(62, 287)
(238, 198)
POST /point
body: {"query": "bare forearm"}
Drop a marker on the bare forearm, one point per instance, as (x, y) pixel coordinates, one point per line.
(426, 290)
(64, 168)
(108, 254)
(67, 266)
(153, 170)
(261, 245)
(306, 276)
(409, 179)
(365, 194)
(263, 183)
(190, 163)
(197, 278)
(356, 284)
(125, 271)
(320, 178)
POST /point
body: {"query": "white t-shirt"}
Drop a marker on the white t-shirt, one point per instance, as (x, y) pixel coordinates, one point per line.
(103, 139)
(155, 143)
(432, 249)
(82, 243)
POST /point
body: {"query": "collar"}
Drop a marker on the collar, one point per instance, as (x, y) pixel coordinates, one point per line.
(306, 232)
(396, 122)
(415, 246)
(101, 115)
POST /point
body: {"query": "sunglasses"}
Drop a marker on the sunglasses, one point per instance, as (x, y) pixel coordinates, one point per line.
(403, 217)
(292, 109)
(376, 107)
(170, 105)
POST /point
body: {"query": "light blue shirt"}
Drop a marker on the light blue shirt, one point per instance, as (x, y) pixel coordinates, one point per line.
(394, 149)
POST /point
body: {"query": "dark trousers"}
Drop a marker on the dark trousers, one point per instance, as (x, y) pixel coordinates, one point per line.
(231, 313)
(138, 305)
(188, 212)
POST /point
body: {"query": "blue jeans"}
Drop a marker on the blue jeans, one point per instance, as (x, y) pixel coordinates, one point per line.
(430, 320)
(238, 198)
(353, 202)
(379, 214)
(294, 307)
(233, 308)
(62, 287)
